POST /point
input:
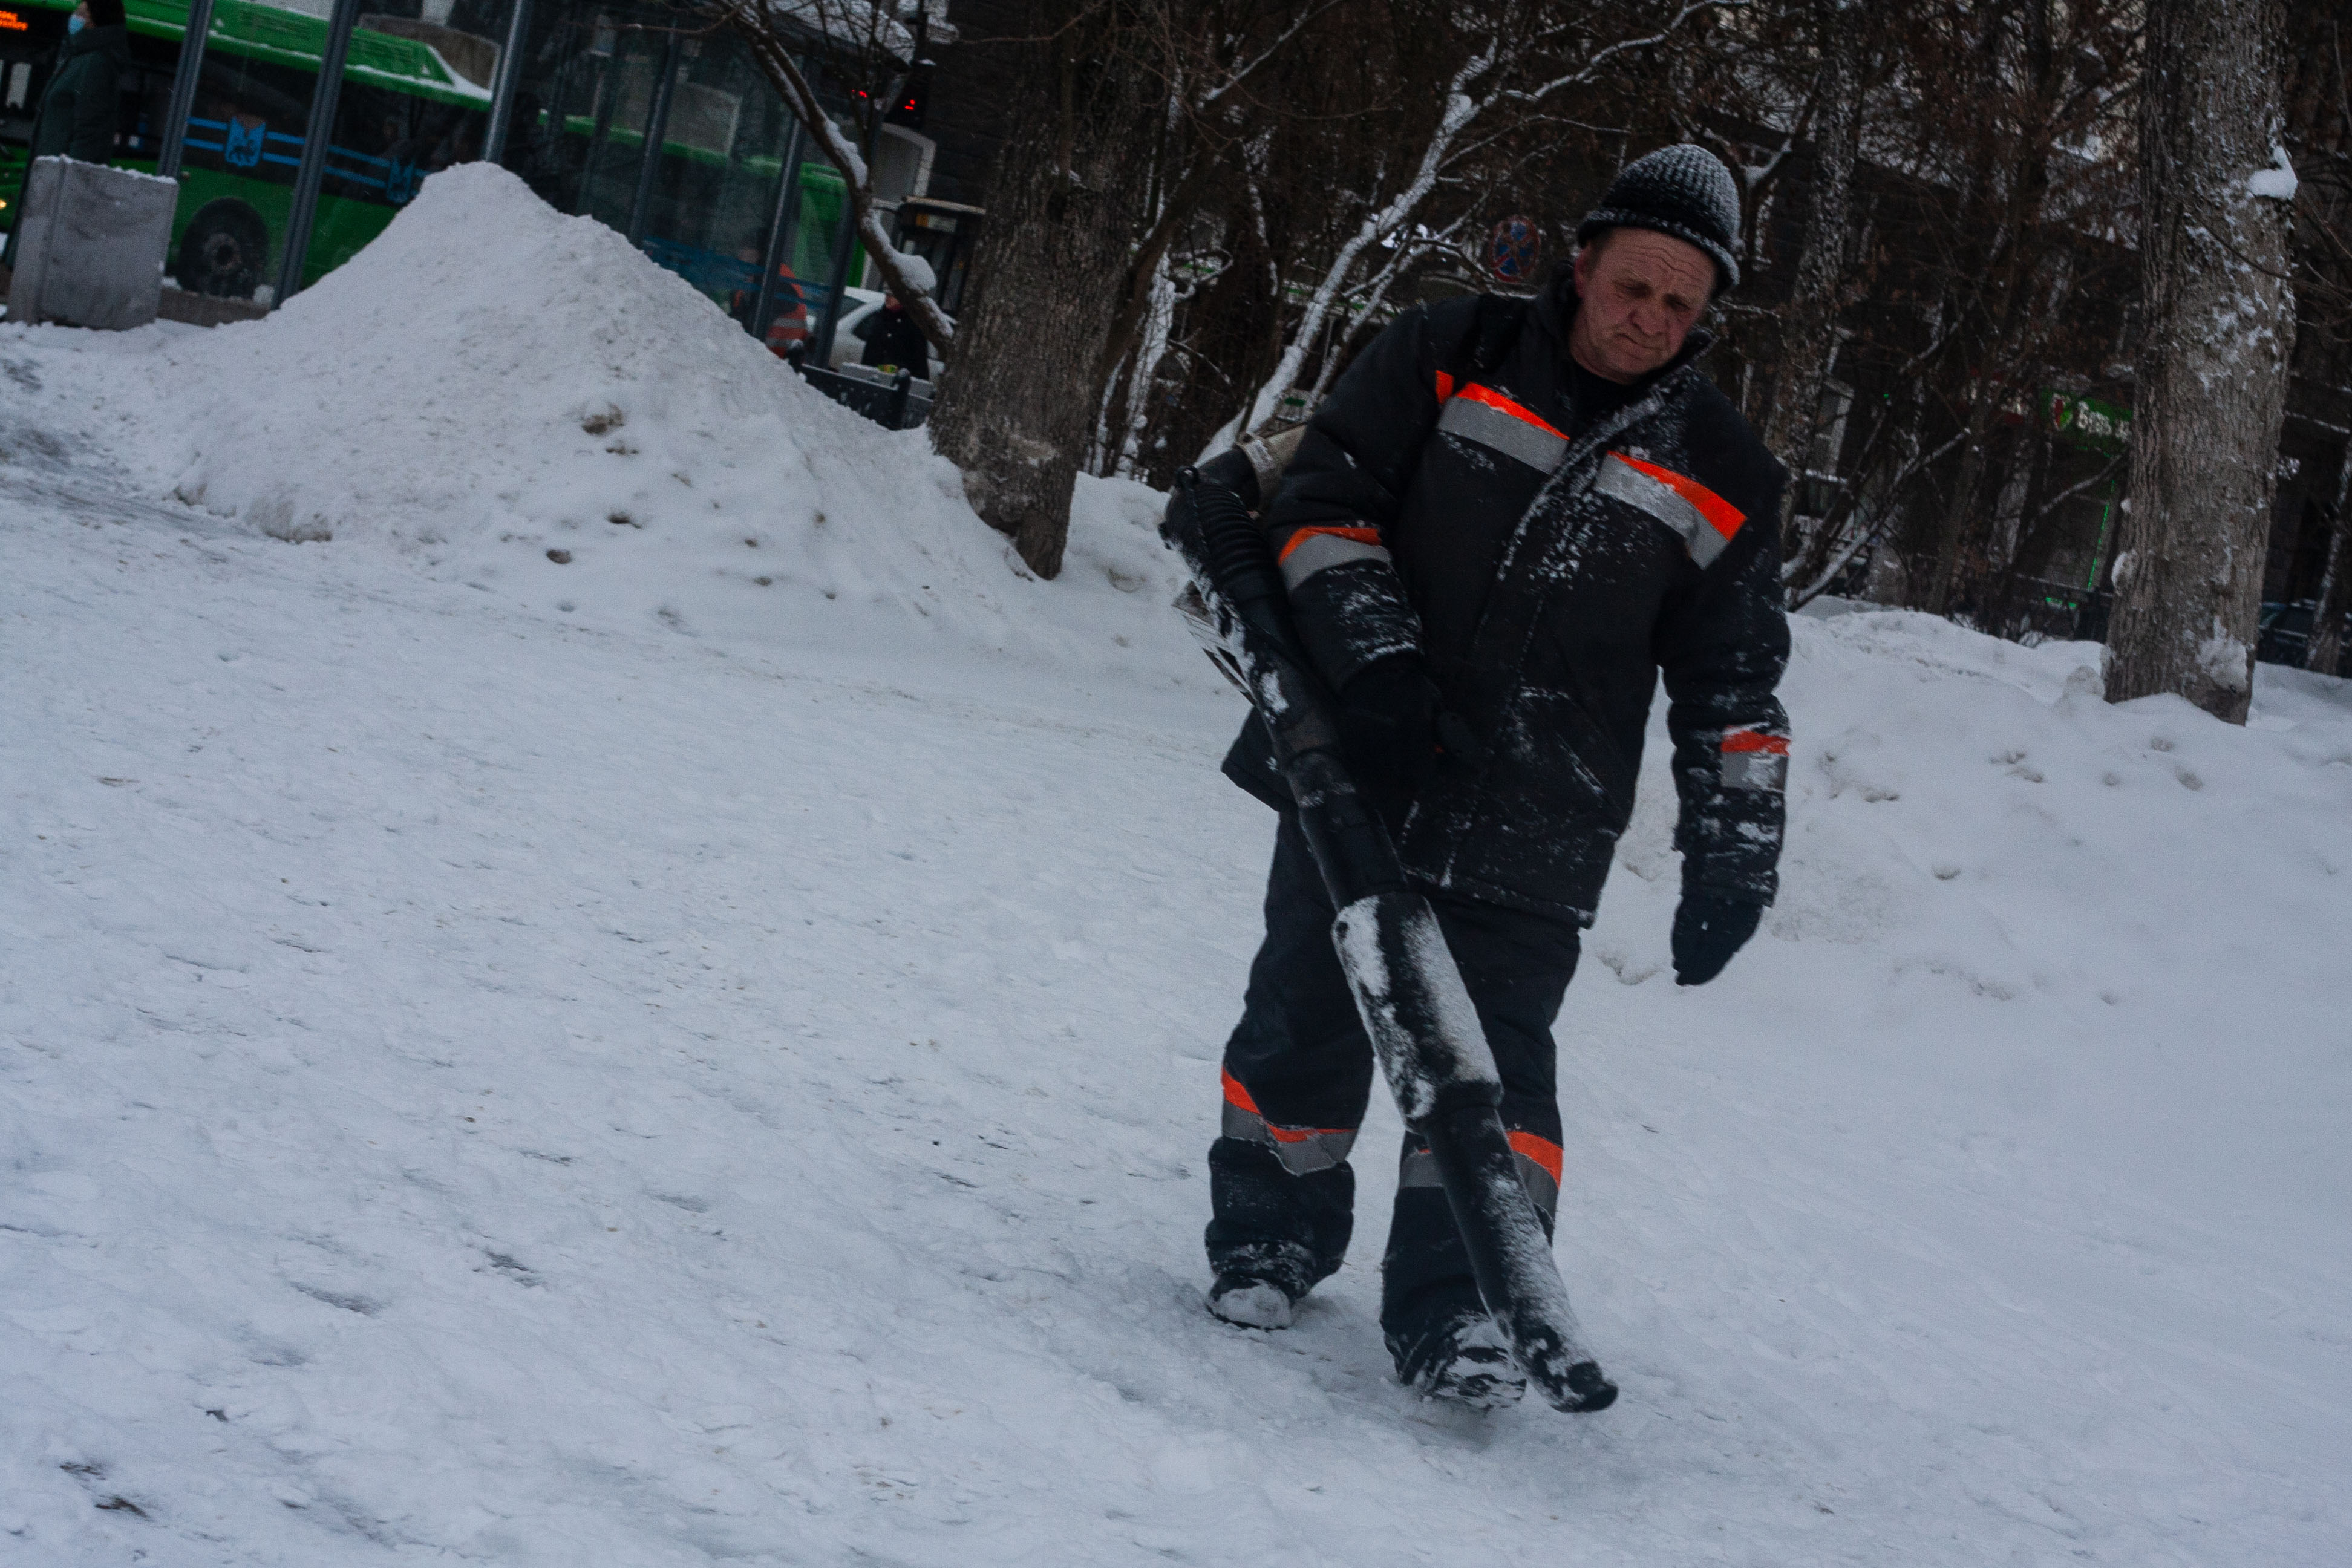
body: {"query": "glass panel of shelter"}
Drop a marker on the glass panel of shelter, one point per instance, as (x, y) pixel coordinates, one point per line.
(413, 98)
(711, 206)
(590, 90)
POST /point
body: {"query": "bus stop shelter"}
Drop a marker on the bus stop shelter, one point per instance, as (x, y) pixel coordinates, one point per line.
(297, 130)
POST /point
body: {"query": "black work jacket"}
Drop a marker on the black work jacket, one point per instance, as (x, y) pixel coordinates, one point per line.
(894, 339)
(79, 106)
(1442, 501)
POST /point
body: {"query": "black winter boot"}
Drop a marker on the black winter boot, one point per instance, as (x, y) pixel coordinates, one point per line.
(1463, 1359)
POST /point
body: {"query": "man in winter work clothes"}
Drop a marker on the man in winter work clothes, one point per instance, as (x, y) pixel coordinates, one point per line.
(1493, 684)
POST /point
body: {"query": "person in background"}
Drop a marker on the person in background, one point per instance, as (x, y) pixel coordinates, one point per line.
(787, 316)
(892, 340)
(77, 113)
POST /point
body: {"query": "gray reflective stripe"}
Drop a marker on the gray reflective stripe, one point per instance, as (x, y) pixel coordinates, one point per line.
(1490, 426)
(1318, 551)
(1420, 1170)
(1538, 1184)
(1302, 1149)
(1756, 770)
(1624, 482)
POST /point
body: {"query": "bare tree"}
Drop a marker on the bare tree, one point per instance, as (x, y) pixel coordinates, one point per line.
(2025, 84)
(1512, 60)
(866, 41)
(1938, 270)
(2319, 97)
(1122, 116)
(1809, 323)
(2211, 382)
(1221, 64)
(2325, 651)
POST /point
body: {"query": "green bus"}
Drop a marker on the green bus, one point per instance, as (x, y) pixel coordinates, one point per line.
(409, 104)
(415, 98)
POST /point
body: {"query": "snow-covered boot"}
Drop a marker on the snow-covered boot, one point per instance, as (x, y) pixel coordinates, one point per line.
(1463, 1359)
(1250, 1302)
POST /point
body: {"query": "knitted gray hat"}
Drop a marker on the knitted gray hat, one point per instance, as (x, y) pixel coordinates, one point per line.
(1683, 190)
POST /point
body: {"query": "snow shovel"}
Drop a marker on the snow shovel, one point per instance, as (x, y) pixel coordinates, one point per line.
(1424, 1027)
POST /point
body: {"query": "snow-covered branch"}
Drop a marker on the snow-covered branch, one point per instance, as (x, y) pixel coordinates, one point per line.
(1591, 69)
(764, 26)
(1480, 86)
(1243, 72)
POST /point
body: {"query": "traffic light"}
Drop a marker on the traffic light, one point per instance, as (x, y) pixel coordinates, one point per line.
(914, 100)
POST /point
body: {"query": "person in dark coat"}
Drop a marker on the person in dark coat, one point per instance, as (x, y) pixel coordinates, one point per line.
(77, 116)
(893, 341)
(1508, 518)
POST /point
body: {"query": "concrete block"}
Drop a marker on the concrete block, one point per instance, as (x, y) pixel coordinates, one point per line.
(89, 246)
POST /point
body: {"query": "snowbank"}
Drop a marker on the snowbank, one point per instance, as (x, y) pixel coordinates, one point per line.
(520, 401)
(2114, 921)
(476, 1091)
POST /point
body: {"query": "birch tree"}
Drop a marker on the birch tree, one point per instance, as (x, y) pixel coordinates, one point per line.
(2215, 185)
(1220, 63)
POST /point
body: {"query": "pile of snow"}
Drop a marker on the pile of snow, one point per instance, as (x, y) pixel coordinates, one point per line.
(521, 401)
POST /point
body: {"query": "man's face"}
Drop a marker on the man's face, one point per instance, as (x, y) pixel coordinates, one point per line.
(1641, 294)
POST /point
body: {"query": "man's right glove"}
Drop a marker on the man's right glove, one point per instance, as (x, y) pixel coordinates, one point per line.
(1709, 929)
(1387, 728)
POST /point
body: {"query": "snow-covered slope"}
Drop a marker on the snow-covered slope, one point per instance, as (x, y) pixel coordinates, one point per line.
(507, 397)
(485, 1082)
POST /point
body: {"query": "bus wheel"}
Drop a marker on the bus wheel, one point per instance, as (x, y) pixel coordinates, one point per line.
(225, 250)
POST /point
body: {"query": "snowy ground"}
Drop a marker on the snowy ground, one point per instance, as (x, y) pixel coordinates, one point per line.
(614, 1063)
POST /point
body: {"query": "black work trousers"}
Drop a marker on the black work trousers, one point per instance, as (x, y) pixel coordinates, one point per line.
(1298, 1073)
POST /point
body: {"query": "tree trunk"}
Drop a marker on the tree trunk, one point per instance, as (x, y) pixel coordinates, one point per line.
(1019, 402)
(2212, 372)
(1809, 322)
(2014, 267)
(2325, 651)
(1955, 536)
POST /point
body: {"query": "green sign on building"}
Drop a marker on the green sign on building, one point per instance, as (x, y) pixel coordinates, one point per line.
(2087, 421)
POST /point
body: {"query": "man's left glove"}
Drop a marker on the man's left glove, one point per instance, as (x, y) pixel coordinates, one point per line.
(1709, 929)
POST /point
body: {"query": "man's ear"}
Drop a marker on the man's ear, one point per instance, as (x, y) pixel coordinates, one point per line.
(1585, 253)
